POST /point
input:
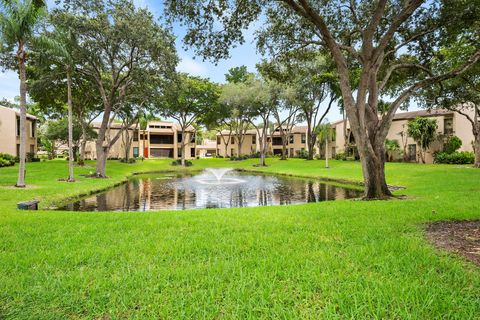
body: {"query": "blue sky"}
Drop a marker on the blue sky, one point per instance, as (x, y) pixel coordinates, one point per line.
(245, 54)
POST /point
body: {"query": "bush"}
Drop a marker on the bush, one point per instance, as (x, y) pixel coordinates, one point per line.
(453, 144)
(239, 158)
(7, 160)
(178, 162)
(302, 154)
(30, 157)
(463, 157)
(130, 160)
(341, 156)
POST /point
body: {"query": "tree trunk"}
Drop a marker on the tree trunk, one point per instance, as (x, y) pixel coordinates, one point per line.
(373, 165)
(182, 147)
(83, 145)
(102, 154)
(477, 151)
(23, 116)
(71, 178)
(284, 149)
(310, 145)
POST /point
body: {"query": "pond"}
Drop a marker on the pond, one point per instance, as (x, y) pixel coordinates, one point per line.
(213, 188)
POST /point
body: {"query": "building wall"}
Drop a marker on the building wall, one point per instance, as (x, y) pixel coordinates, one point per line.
(461, 128)
(144, 146)
(247, 146)
(8, 133)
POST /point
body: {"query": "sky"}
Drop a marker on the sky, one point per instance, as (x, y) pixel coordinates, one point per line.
(245, 54)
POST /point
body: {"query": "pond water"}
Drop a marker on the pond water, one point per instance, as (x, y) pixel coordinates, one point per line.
(213, 188)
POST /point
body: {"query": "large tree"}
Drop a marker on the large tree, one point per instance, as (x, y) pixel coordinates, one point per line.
(378, 37)
(18, 19)
(126, 52)
(187, 99)
(235, 99)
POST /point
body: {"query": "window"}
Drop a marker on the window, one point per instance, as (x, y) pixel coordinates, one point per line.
(18, 150)
(135, 152)
(179, 151)
(18, 126)
(135, 135)
(304, 137)
(32, 131)
(290, 139)
(448, 126)
(277, 141)
(192, 152)
(219, 140)
(32, 148)
(161, 139)
(254, 139)
(192, 137)
(232, 140)
(179, 137)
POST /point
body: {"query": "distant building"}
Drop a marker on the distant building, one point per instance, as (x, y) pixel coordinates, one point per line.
(449, 123)
(297, 142)
(207, 149)
(10, 132)
(161, 139)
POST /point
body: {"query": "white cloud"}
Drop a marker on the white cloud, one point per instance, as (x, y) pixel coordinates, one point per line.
(192, 67)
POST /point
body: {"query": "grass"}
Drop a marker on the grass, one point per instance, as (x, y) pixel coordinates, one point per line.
(332, 260)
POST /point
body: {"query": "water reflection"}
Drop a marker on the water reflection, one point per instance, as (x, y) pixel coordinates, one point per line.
(178, 192)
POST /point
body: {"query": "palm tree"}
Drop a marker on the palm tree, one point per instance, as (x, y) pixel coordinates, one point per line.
(391, 146)
(18, 19)
(58, 49)
(325, 133)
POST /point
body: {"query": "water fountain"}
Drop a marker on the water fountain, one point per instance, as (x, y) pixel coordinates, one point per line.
(218, 172)
(215, 176)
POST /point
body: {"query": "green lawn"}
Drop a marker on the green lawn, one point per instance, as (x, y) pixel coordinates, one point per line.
(332, 260)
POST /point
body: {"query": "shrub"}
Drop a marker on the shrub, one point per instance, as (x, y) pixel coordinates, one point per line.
(178, 162)
(7, 160)
(30, 157)
(341, 156)
(239, 158)
(463, 157)
(130, 160)
(453, 144)
(302, 154)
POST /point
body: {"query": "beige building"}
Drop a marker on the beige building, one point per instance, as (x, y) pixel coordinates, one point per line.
(230, 141)
(297, 142)
(161, 139)
(449, 123)
(207, 149)
(10, 132)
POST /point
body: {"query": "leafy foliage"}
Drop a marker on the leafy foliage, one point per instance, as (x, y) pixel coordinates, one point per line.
(456, 157)
(452, 144)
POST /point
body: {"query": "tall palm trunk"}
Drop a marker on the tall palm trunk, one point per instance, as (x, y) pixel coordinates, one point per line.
(71, 178)
(23, 115)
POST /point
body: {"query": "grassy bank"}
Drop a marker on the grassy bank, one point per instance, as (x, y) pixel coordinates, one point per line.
(342, 259)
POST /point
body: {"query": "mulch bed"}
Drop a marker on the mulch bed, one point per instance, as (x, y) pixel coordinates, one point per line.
(460, 237)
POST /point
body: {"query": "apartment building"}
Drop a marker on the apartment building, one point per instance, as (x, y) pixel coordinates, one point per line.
(10, 132)
(207, 149)
(228, 143)
(160, 139)
(449, 123)
(297, 142)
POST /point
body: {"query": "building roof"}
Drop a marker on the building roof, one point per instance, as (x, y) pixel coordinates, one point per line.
(412, 115)
(17, 112)
(171, 126)
(421, 113)
(226, 132)
(207, 144)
